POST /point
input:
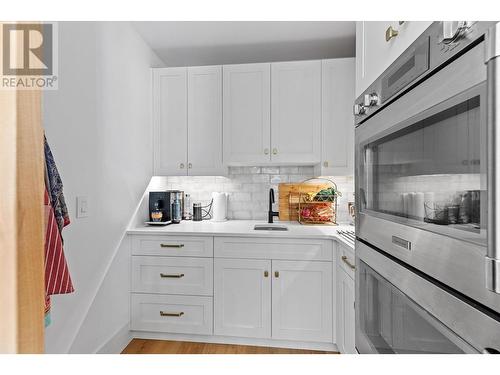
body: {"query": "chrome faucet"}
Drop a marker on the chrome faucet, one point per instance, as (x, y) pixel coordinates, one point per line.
(271, 213)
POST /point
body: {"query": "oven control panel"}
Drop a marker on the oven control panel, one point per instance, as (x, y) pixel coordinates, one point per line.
(439, 43)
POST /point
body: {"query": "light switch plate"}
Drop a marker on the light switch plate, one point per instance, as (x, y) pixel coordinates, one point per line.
(82, 207)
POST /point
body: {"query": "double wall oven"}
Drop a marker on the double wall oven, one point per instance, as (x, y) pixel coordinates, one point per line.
(426, 188)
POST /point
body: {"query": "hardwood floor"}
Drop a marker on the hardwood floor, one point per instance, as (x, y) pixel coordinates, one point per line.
(141, 346)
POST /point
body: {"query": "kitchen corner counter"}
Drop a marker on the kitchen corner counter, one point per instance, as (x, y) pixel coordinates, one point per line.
(244, 228)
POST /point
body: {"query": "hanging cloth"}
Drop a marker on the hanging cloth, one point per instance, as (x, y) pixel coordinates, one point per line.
(54, 185)
(57, 277)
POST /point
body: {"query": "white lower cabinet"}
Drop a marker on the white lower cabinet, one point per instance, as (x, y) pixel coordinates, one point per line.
(345, 313)
(302, 300)
(295, 290)
(172, 275)
(300, 306)
(242, 295)
(170, 313)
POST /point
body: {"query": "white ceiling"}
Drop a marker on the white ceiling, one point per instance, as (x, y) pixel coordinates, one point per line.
(188, 43)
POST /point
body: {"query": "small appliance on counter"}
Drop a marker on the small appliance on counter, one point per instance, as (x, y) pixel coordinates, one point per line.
(219, 206)
(202, 212)
(197, 214)
(160, 209)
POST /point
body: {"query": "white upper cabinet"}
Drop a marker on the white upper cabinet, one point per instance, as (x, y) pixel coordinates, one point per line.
(204, 141)
(170, 121)
(187, 115)
(302, 301)
(247, 113)
(210, 117)
(296, 112)
(337, 120)
(374, 54)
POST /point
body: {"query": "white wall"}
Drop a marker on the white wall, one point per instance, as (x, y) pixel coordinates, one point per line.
(98, 126)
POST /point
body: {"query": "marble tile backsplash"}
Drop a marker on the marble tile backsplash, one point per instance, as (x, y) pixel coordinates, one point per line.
(248, 188)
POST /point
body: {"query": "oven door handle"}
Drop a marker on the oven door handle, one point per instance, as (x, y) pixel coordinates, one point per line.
(492, 45)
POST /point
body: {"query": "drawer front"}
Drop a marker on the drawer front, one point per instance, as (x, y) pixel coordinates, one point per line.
(176, 246)
(172, 275)
(170, 313)
(272, 248)
(346, 260)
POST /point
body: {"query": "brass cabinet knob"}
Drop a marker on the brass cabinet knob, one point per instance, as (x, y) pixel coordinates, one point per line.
(266, 151)
(275, 151)
(276, 273)
(390, 33)
(190, 165)
(266, 273)
(181, 166)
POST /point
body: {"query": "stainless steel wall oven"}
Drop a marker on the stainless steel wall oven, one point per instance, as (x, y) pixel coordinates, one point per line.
(425, 187)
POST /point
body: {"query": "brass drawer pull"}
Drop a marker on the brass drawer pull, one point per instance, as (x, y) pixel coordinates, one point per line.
(351, 266)
(163, 313)
(266, 273)
(276, 273)
(390, 33)
(177, 246)
(172, 276)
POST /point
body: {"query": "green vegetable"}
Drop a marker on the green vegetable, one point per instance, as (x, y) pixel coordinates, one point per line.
(327, 195)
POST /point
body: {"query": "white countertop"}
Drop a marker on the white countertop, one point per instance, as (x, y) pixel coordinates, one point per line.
(244, 228)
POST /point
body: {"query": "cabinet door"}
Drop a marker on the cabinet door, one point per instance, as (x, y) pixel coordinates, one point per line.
(246, 113)
(170, 121)
(242, 297)
(296, 112)
(345, 313)
(302, 300)
(337, 120)
(374, 54)
(205, 120)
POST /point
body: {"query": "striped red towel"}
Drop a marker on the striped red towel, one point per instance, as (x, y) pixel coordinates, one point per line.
(57, 277)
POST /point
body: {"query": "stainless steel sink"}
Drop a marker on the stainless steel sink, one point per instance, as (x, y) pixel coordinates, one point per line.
(270, 227)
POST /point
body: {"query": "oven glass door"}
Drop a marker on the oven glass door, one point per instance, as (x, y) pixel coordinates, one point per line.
(390, 322)
(430, 171)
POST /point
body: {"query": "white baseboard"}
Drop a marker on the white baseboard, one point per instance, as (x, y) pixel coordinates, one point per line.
(326, 346)
(116, 342)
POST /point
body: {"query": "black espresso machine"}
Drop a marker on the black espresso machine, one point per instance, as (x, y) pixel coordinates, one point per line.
(162, 209)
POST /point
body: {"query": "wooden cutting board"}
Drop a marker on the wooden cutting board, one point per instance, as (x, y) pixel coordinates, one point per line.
(288, 212)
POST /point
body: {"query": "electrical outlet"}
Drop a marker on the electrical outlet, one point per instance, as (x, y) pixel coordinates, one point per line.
(82, 207)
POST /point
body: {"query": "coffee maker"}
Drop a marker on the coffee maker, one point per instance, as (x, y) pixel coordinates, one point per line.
(160, 206)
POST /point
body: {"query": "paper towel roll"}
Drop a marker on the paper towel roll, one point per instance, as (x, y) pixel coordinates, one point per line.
(219, 207)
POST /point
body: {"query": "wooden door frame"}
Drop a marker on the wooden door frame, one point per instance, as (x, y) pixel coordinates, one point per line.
(22, 287)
